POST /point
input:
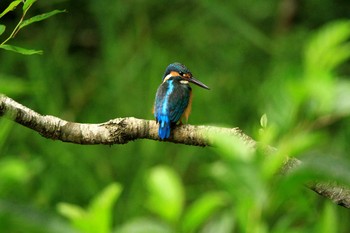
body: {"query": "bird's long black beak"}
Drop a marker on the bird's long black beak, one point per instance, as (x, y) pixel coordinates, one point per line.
(198, 83)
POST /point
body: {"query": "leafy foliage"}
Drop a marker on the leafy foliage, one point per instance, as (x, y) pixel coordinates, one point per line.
(21, 24)
(167, 194)
(97, 218)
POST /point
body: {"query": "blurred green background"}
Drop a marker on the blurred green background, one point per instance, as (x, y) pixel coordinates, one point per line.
(105, 59)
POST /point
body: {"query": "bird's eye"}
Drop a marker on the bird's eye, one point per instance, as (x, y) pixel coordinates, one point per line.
(181, 73)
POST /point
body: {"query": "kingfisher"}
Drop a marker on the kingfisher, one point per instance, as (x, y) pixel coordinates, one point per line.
(174, 98)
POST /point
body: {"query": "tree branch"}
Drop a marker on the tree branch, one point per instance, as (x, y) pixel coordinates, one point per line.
(123, 130)
(116, 131)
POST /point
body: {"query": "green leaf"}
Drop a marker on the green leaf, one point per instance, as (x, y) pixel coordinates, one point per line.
(27, 4)
(98, 216)
(325, 51)
(232, 147)
(20, 50)
(328, 48)
(100, 209)
(70, 211)
(11, 7)
(2, 28)
(41, 17)
(166, 193)
(263, 121)
(329, 219)
(201, 210)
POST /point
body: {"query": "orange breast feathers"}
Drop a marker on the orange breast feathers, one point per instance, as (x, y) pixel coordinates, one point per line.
(187, 111)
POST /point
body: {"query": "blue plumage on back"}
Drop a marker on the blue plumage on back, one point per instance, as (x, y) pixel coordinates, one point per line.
(171, 101)
(162, 109)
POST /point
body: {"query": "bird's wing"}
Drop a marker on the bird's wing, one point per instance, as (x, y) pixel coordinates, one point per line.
(160, 100)
(178, 102)
(171, 104)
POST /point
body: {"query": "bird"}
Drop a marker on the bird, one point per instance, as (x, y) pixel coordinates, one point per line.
(173, 99)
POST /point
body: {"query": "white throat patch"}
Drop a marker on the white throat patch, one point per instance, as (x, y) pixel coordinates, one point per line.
(184, 81)
(167, 78)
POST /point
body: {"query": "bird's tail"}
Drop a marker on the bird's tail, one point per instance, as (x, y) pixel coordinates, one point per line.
(164, 127)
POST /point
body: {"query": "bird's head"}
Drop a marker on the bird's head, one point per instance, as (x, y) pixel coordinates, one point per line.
(177, 69)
